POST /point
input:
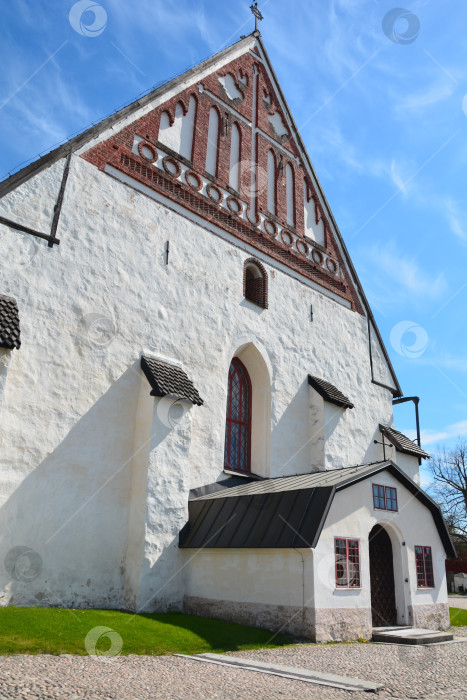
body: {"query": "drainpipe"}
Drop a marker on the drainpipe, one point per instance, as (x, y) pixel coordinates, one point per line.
(416, 401)
(303, 591)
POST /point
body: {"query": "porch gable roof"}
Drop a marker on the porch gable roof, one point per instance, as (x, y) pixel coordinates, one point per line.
(286, 512)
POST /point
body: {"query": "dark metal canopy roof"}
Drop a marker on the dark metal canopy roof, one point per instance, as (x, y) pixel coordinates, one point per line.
(285, 512)
(402, 443)
(9, 323)
(329, 392)
(169, 380)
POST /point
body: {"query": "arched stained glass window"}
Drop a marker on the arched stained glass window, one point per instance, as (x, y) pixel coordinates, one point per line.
(238, 424)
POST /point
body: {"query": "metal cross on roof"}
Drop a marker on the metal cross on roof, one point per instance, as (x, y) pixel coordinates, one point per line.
(257, 13)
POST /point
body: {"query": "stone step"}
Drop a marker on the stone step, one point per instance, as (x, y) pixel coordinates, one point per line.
(410, 635)
(297, 674)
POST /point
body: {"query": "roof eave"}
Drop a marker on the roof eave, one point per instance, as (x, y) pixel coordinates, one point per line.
(440, 523)
(397, 392)
(81, 139)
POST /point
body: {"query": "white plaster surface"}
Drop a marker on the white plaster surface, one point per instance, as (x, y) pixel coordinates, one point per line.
(271, 182)
(305, 579)
(290, 195)
(278, 125)
(234, 176)
(352, 515)
(228, 83)
(313, 230)
(92, 478)
(179, 135)
(213, 136)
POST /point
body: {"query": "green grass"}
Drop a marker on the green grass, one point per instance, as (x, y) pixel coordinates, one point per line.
(458, 617)
(62, 631)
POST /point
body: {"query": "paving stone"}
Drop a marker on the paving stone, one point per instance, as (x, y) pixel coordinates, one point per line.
(424, 673)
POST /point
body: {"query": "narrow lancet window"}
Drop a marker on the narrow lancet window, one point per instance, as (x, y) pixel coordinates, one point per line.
(235, 142)
(271, 183)
(238, 423)
(290, 195)
(213, 139)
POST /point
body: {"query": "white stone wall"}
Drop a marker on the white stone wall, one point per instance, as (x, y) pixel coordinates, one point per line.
(408, 463)
(352, 515)
(218, 581)
(273, 576)
(70, 413)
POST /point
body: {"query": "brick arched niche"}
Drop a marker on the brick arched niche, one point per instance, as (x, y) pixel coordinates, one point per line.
(257, 364)
(255, 283)
(177, 132)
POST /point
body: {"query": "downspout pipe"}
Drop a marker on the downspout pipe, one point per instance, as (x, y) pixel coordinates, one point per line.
(416, 401)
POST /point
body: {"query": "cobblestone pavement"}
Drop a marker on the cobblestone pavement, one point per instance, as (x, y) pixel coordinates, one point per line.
(407, 672)
(457, 601)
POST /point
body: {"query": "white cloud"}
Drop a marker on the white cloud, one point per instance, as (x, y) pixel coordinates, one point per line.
(390, 264)
(418, 101)
(458, 364)
(396, 177)
(458, 227)
(449, 432)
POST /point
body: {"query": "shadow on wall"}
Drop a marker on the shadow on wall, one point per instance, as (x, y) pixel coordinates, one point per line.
(291, 442)
(64, 529)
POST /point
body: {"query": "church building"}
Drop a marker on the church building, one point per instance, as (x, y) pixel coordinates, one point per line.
(196, 405)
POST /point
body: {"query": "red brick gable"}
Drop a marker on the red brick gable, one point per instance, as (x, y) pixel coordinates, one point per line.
(244, 96)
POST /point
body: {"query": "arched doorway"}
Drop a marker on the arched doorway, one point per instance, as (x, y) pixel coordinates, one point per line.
(383, 599)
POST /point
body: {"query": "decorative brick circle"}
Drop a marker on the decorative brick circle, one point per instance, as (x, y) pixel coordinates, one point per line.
(270, 227)
(331, 265)
(286, 237)
(171, 166)
(301, 246)
(234, 205)
(317, 256)
(193, 180)
(214, 193)
(147, 151)
(254, 219)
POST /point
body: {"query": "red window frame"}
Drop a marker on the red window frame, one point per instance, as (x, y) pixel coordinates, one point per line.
(382, 495)
(347, 561)
(424, 566)
(237, 448)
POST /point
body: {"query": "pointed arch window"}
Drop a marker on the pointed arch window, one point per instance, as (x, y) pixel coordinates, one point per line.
(237, 451)
(235, 149)
(290, 186)
(271, 183)
(213, 142)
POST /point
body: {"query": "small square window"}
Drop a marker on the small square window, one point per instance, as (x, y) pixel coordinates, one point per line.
(384, 497)
(391, 498)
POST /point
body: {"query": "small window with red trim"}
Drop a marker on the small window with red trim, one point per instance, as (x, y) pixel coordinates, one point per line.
(384, 497)
(424, 565)
(347, 563)
(255, 284)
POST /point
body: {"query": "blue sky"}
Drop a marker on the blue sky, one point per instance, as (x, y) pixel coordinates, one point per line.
(383, 115)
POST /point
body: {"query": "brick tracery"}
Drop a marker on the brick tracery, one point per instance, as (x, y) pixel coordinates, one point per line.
(258, 226)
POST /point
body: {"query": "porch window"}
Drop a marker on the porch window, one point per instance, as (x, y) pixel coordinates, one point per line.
(424, 564)
(384, 497)
(347, 563)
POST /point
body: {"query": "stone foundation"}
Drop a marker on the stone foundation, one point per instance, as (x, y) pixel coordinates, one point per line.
(432, 617)
(287, 619)
(324, 625)
(340, 624)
